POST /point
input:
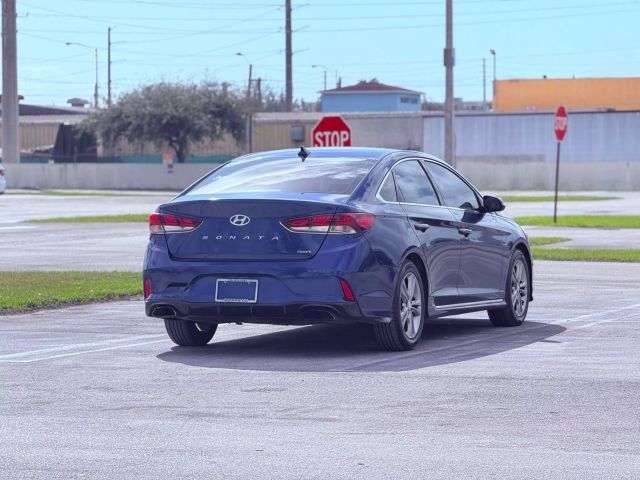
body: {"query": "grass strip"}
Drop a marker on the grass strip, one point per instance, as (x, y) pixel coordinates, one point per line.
(550, 198)
(537, 241)
(130, 217)
(61, 193)
(23, 291)
(587, 254)
(587, 221)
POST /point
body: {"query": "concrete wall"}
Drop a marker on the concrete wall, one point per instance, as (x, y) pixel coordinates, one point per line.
(503, 174)
(486, 174)
(104, 176)
(497, 151)
(591, 137)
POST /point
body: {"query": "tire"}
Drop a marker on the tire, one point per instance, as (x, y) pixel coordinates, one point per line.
(516, 294)
(404, 330)
(189, 334)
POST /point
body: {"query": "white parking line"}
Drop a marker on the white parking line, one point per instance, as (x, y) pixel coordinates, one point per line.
(80, 348)
(140, 340)
(635, 306)
(18, 227)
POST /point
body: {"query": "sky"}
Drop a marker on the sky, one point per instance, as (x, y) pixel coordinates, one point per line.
(398, 42)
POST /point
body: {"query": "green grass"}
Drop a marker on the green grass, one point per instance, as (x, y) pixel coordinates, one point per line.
(538, 241)
(132, 217)
(22, 291)
(594, 221)
(587, 254)
(550, 198)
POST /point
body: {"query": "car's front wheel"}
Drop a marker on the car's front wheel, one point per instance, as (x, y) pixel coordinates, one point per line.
(189, 334)
(517, 294)
(409, 304)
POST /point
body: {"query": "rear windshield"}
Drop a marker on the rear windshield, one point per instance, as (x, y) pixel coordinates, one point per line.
(338, 176)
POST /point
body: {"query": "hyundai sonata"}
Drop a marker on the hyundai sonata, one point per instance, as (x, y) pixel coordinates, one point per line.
(329, 235)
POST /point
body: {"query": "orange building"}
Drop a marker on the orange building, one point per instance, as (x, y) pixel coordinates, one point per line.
(573, 93)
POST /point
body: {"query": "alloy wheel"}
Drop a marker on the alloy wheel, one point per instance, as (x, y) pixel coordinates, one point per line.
(410, 305)
(519, 288)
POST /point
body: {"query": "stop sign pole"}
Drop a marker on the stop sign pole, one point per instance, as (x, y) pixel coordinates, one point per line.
(560, 123)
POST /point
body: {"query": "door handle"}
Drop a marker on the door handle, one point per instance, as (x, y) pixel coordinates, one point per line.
(464, 231)
(421, 226)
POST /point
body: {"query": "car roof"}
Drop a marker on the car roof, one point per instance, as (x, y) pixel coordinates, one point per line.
(325, 152)
(361, 153)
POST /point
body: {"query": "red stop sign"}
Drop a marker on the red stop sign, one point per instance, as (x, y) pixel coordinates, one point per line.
(331, 131)
(560, 123)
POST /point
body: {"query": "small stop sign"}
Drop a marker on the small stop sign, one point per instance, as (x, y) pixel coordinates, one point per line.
(331, 131)
(560, 123)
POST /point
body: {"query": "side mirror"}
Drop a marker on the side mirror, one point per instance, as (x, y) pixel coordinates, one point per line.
(492, 204)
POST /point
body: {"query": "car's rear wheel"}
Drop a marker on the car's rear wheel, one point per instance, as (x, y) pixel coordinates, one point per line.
(405, 329)
(189, 334)
(517, 294)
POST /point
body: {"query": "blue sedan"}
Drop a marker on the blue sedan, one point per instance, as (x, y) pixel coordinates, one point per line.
(329, 235)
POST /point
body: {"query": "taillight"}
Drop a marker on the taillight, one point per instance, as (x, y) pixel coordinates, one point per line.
(346, 291)
(166, 223)
(342, 223)
(147, 288)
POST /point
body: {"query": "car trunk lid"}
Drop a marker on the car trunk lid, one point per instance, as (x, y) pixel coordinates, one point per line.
(245, 229)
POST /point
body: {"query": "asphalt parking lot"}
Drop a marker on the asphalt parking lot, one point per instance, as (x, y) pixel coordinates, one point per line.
(99, 391)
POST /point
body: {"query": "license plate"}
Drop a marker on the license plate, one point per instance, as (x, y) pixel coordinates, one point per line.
(236, 290)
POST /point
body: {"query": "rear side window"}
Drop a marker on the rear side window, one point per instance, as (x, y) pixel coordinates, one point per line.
(413, 184)
(290, 175)
(388, 190)
(455, 191)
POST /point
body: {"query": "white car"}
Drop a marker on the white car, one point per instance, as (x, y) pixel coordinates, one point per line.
(3, 182)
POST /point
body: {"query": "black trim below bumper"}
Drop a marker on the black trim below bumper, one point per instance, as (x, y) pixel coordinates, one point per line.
(288, 314)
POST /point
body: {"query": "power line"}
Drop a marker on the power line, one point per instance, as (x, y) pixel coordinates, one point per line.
(350, 18)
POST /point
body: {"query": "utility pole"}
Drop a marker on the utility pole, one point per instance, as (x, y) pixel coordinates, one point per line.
(249, 112)
(249, 88)
(449, 62)
(289, 55)
(259, 92)
(484, 84)
(109, 67)
(96, 94)
(10, 132)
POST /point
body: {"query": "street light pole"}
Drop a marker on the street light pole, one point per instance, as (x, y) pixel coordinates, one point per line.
(484, 84)
(493, 98)
(325, 73)
(248, 103)
(95, 49)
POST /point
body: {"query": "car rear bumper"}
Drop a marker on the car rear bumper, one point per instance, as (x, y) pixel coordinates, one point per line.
(280, 314)
(300, 292)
